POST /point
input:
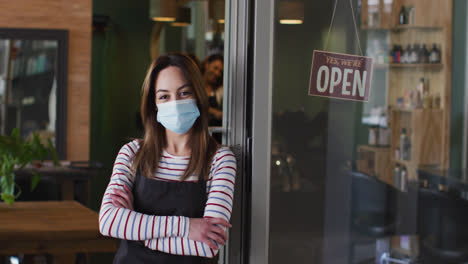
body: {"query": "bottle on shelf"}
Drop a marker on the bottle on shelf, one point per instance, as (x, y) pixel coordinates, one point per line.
(435, 55)
(410, 15)
(373, 16)
(383, 136)
(421, 89)
(405, 147)
(397, 51)
(427, 97)
(403, 16)
(424, 54)
(406, 54)
(373, 136)
(394, 53)
(403, 179)
(414, 57)
(396, 176)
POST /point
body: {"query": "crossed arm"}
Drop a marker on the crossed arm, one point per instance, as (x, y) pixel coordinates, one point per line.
(190, 236)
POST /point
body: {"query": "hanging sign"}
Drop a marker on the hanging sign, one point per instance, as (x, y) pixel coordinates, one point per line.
(340, 76)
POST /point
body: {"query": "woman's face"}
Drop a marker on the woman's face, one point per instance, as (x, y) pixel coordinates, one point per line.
(213, 71)
(171, 85)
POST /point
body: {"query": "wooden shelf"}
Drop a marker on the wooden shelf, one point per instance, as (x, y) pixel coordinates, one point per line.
(434, 66)
(414, 27)
(416, 65)
(375, 28)
(431, 24)
(375, 161)
(402, 27)
(411, 168)
(374, 148)
(406, 163)
(413, 110)
(424, 127)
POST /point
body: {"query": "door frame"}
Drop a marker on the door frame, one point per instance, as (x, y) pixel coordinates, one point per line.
(262, 83)
(248, 74)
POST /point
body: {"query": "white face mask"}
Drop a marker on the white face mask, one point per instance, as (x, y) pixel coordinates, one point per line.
(179, 115)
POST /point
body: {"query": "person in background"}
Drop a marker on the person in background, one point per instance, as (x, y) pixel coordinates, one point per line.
(212, 69)
(195, 59)
(170, 194)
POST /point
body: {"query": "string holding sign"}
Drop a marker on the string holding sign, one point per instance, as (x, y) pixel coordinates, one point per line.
(354, 23)
(338, 75)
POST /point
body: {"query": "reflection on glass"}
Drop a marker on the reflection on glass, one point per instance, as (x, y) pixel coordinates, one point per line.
(371, 182)
(28, 86)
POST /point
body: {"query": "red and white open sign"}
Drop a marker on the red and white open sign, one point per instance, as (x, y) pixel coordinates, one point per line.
(340, 76)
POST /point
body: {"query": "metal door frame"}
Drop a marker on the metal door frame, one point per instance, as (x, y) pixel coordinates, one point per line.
(248, 74)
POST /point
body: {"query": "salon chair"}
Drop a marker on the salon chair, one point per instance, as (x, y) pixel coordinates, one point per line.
(442, 227)
(373, 212)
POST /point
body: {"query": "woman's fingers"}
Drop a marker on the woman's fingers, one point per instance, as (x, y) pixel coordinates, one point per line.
(216, 237)
(123, 194)
(129, 192)
(117, 204)
(210, 243)
(218, 230)
(219, 221)
(123, 202)
(206, 230)
(127, 196)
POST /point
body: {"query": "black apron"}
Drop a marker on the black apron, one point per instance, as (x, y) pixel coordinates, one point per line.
(164, 198)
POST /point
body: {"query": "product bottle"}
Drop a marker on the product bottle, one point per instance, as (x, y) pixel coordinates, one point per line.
(406, 54)
(415, 54)
(373, 136)
(403, 17)
(403, 179)
(410, 15)
(399, 51)
(435, 55)
(394, 53)
(427, 97)
(424, 54)
(404, 145)
(421, 91)
(396, 176)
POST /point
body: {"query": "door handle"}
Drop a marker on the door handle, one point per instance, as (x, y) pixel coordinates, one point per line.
(217, 129)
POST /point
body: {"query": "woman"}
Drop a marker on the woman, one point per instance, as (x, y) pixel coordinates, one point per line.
(212, 70)
(170, 194)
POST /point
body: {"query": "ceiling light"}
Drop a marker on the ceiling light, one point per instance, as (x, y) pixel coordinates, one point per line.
(163, 10)
(291, 12)
(183, 18)
(216, 10)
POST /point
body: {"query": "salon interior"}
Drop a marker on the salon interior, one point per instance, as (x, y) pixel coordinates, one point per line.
(319, 179)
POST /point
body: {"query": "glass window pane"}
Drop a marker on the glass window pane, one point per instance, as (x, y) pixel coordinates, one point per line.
(354, 182)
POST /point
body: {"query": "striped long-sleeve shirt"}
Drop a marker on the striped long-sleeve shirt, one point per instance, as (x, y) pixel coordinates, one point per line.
(167, 233)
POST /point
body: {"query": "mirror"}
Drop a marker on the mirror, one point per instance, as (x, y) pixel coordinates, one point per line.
(33, 79)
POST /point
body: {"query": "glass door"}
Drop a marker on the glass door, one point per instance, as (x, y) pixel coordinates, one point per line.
(339, 181)
(302, 159)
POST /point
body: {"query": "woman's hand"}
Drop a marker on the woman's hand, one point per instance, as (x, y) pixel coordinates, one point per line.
(206, 230)
(122, 199)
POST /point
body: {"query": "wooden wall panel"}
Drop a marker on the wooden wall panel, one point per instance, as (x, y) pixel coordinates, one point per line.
(76, 17)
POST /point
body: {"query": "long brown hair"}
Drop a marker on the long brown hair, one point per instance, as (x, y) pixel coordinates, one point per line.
(154, 140)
